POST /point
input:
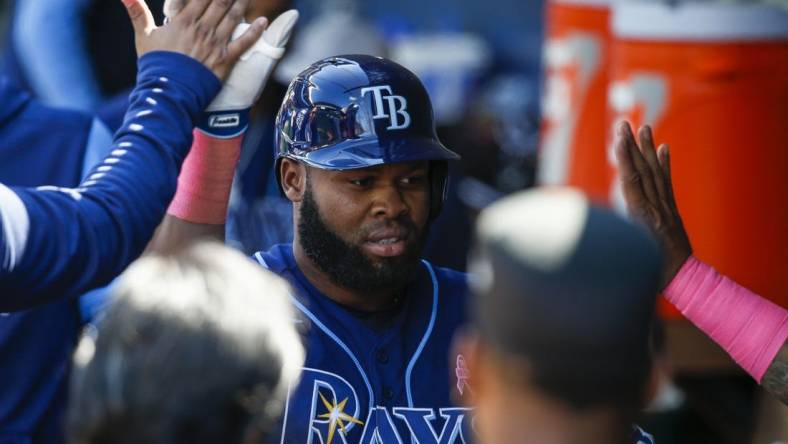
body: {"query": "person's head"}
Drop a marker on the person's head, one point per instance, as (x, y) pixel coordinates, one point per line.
(563, 299)
(359, 159)
(198, 347)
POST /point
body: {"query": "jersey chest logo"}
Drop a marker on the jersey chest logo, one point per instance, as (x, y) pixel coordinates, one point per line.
(324, 408)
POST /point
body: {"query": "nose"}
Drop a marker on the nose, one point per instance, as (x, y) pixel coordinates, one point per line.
(389, 202)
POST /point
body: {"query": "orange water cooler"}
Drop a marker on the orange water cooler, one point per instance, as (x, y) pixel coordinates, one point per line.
(712, 80)
(576, 60)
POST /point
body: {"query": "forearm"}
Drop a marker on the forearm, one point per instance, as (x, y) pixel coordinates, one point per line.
(775, 380)
(199, 209)
(81, 238)
(175, 233)
(750, 328)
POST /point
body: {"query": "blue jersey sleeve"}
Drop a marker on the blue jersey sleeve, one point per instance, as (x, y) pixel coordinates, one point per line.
(58, 242)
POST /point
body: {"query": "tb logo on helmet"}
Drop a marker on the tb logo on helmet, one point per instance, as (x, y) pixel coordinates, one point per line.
(397, 106)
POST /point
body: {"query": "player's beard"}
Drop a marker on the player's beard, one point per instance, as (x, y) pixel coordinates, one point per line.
(346, 264)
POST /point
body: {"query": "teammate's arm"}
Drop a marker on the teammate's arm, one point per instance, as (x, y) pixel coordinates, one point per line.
(199, 209)
(775, 380)
(60, 242)
(716, 304)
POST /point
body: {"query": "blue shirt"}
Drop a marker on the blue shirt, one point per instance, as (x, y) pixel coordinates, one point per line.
(41, 145)
(361, 383)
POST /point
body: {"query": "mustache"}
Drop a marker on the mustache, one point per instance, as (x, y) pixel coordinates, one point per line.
(403, 225)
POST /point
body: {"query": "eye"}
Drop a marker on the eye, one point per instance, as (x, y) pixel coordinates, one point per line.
(362, 181)
(415, 179)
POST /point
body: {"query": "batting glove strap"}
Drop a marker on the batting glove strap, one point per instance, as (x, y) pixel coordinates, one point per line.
(224, 124)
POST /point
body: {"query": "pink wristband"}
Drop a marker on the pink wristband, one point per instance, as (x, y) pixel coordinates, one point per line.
(750, 328)
(206, 179)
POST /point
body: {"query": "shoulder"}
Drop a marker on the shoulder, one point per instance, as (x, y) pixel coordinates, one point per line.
(451, 280)
(452, 287)
(276, 259)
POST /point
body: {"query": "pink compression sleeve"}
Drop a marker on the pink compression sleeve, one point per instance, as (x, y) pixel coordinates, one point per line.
(206, 179)
(750, 328)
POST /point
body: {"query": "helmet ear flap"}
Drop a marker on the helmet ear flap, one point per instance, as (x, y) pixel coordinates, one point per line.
(439, 184)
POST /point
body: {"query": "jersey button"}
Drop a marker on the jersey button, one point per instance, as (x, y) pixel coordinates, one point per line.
(382, 356)
(388, 393)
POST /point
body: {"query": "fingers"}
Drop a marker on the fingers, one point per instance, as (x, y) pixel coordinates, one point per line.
(650, 155)
(230, 21)
(663, 155)
(646, 138)
(631, 182)
(216, 12)
(141, 17)
(239, 46)
(193, 10)
(642, 169)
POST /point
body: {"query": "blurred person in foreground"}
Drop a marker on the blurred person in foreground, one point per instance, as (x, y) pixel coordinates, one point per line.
(562, 304)
(198, 347)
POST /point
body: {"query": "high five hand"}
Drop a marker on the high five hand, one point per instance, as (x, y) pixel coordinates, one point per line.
(648, 191)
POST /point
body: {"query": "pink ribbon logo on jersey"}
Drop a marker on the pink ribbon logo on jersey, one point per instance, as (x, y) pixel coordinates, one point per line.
(462, 374)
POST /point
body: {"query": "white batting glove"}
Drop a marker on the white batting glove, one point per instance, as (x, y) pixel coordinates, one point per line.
(228, 115)
(247, 79)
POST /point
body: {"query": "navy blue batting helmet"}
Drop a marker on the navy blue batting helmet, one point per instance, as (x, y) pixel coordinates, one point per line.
(357, 111)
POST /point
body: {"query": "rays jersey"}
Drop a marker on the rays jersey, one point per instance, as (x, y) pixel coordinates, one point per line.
(377, 385)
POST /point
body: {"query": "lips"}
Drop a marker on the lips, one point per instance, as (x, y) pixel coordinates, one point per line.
(387, 243)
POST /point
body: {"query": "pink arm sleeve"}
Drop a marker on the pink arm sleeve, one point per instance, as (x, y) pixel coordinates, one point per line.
(750, 328)
(206, 179)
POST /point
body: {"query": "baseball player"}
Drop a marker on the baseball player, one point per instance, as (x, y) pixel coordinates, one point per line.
(562, 307)
(57, 242)
(358, 157)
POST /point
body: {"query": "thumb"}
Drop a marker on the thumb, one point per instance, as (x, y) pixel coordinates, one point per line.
(140, 15)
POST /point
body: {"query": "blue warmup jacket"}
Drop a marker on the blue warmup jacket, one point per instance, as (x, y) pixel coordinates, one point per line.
(56, 243)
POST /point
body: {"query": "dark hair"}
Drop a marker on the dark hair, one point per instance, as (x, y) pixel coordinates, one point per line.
(570, 289)
(196, 348)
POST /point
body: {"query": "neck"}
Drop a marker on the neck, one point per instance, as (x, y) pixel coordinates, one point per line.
(547, 422)
(354, 299)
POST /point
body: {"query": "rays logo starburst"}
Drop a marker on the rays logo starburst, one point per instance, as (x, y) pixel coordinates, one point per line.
(336, 416)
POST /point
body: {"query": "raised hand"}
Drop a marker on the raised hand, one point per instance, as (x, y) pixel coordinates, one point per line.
(200, 30)
(648, 191)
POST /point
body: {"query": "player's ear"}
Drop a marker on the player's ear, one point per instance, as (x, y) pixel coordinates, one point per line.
(292, 175)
